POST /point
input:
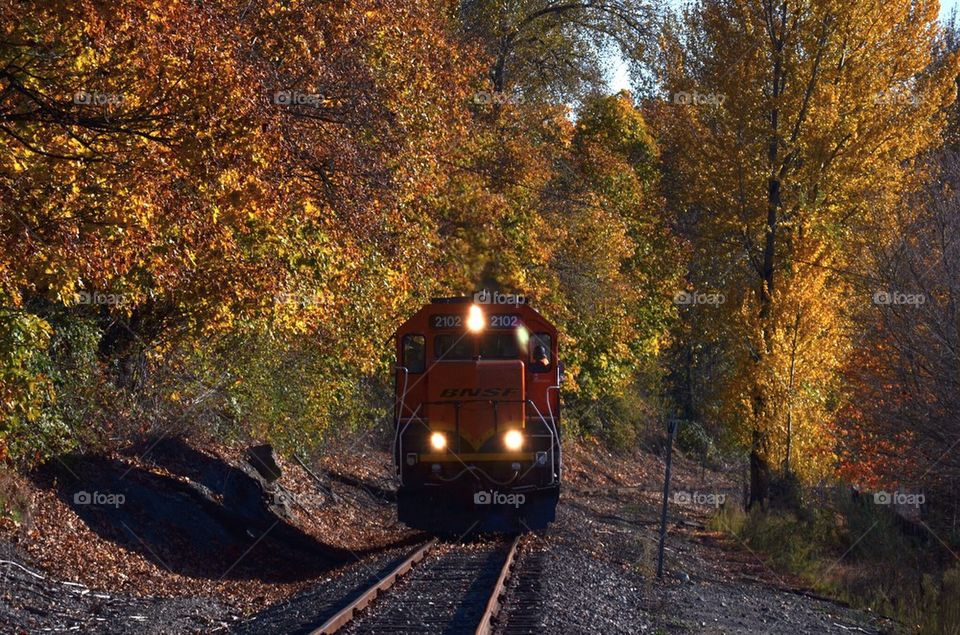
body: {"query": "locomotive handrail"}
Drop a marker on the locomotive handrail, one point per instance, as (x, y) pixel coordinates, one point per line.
(554, 438)
(554, 419)
(473, 468)
(403, 395)
(452, 401)
(399, 442)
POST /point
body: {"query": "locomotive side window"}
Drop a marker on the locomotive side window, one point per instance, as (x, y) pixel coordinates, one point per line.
(414, 353)
(499, 346)
(453, 346)
(540, 347)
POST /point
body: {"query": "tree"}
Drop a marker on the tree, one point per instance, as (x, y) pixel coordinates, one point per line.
(616, 261)
(901, 430)
(270, 182)
(554, 50)
(790, 129)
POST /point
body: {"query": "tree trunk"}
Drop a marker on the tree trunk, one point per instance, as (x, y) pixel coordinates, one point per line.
(759, 473)
(759, 460)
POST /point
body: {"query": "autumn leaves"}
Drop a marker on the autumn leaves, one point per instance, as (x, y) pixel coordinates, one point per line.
(271, 187)
(790, 184)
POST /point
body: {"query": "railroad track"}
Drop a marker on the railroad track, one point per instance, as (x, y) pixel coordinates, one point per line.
(452, 590)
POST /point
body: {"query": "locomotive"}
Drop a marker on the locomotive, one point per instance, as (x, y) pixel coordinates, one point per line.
(477, 416)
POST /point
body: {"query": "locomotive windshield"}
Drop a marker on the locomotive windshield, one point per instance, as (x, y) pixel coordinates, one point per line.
(499, 346)
(453, 346)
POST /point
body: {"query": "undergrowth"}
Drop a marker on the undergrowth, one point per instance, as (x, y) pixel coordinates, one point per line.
(14, 498)
(858, 553)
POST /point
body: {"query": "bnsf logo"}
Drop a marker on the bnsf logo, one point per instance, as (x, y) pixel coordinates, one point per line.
(478, 392)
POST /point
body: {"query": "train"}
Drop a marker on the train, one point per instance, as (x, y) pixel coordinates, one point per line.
(477, 444)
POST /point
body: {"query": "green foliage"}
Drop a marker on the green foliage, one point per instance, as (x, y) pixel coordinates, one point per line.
(694, 440)
(26, 388)
(623, 422)
(285, 391)
(946, 611)
(75, 369)
(50, 376)
(793, 544)
(614, 124)
(728, 519)
(616, 261)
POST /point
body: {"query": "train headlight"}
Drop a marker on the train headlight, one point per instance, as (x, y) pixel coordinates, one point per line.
(438, 441)
(475, 321)
(513, 440)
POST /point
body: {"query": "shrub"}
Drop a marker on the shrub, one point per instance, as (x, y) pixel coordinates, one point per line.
(620, 421)
(695, 441)
(26, 387)
(855, 551)
(14, 498)
(729, 519)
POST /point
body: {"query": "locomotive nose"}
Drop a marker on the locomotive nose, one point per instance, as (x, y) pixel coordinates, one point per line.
(476, 401)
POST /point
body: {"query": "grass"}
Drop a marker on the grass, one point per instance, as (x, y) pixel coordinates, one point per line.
(856, 553)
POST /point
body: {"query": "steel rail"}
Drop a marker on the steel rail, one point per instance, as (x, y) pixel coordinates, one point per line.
(493, 604)
(346, 615)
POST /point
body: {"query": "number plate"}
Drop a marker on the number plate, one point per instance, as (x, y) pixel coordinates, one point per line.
(446, 321)
(494, 321)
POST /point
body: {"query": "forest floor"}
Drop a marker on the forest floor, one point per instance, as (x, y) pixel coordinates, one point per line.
(173, 537)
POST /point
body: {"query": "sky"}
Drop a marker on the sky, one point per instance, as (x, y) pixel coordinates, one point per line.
(619, 78)
(946, 6)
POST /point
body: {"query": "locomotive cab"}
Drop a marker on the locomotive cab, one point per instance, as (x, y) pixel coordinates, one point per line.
(477, 420)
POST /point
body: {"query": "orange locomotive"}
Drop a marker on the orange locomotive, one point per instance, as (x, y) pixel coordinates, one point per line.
(477, 437)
